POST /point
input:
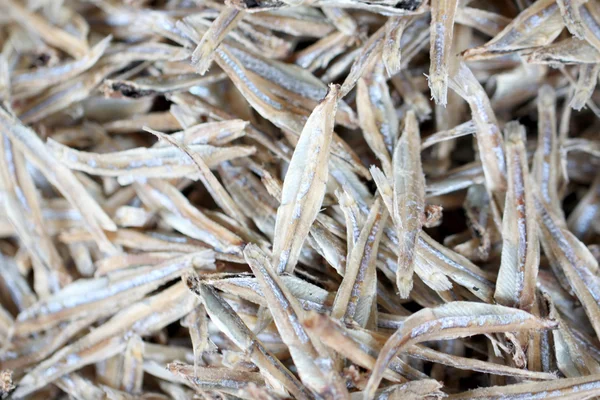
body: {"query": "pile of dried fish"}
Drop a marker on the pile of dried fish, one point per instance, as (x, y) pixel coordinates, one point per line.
(293, 199)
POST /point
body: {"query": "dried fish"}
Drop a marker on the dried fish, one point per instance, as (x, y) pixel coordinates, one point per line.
(287, 314)
(355, 299)
(409, 200)
(442, 27)
(489, 139)
(202, 55)
(377, 117)
(568, 388)
(326, 250)
(304, 185)
(520, 248)
(28, 142)
(142, 317)
(158, 162)
(451, 320)
(537, 25)
(230, 323)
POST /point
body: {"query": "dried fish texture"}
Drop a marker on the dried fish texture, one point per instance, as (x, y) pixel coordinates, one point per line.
(314, 364)
(28, 142)
(281, 199)
(141, 317)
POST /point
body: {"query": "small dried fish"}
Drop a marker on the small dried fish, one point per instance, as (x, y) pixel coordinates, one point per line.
(408, 200)
(588, 77)
(392, 45)
(567, 51)
(489, 139)
(142, 318)
(230, 323)
(223, 380)
(452, 320)
(546, 164)
(568, 388)
(28, 142)
(51, 34)
(287, 314)
(573, 259)
(515, 285)
(158, 162)
(442, 28)
(32, 82)
(202, 55)
(304, 185)
(355, 299)
(377, 117)
(537, 25)
(109, 291)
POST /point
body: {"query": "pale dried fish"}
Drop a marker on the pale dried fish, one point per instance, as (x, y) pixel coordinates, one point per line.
(567, 389)
(32, 82)
(582, 218)
(392, 44)
(226, 21)
(588, 77)
(287, 314)
(104, 294)
(336, 338)
(482, 20)
(489, 138)
(29, 143)
(211, 183)
(408, 200)
(355, 299)
(230, 323)
(184, 217)
(537, 25)
(142, 318)
(455, 319)
(377, 116)
(342, 21)
(304, 185)
(442, 30)
(51, 34)
(567, 51)
(573, 259)
(515, 285)
(157, 162)
(569, 9)
(466, 128)
(149, 86)
(546, 164)
(223, 380)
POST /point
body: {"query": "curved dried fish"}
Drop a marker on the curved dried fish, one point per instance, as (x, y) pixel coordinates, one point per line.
(455, 319)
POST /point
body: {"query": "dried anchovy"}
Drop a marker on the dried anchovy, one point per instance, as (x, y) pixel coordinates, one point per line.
(378, 239)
